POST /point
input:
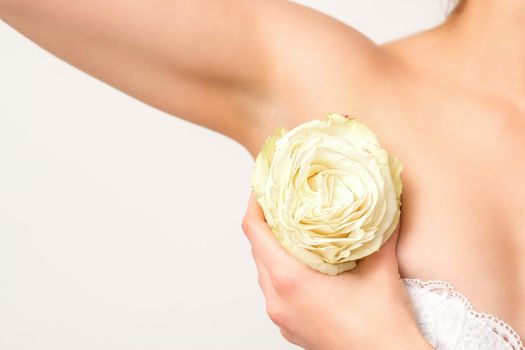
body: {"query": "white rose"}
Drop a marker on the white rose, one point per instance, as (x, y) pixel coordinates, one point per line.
(329, 192)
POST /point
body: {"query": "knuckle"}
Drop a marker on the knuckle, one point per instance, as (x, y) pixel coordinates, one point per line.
(247, 225)
(277, 315)
(286, 281)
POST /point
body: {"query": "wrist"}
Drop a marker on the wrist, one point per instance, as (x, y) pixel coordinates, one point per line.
(402, 338)
(407, 338)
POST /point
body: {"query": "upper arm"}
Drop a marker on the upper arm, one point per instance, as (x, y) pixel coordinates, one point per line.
(194, 59)
(221, 64)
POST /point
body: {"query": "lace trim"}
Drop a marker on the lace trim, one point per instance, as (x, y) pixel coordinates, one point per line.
(501, 328)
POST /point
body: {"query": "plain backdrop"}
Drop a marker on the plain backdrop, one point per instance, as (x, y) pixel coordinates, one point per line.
(120, 226)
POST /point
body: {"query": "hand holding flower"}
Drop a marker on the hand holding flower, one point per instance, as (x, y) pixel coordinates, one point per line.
(326, 201)
(365, 308)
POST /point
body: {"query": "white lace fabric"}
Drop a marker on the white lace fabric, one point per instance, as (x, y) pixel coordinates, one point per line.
(448, 320)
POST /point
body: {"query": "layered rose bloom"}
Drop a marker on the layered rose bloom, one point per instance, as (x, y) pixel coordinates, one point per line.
(329, 192)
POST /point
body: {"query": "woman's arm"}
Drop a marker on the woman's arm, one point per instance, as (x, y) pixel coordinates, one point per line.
(229, 65)
(192, 58)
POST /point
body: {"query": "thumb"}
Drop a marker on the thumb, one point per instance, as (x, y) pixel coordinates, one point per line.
(384, 260)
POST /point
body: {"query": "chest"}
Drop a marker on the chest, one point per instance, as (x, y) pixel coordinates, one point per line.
(463, 211)
(463, 214)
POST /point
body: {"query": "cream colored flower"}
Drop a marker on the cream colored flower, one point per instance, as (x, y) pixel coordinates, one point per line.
(329, 192)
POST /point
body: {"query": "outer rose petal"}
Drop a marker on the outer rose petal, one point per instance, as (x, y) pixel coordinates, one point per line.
(334, 174)
(263, 162)
(396, 168)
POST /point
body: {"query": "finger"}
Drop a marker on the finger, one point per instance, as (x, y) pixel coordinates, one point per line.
(264, 243)
(389, 248)
(264, 279)
(383, 260)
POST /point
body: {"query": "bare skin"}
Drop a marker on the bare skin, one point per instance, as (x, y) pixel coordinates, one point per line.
(449, 102)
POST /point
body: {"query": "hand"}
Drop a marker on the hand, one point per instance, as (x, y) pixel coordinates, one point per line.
(365, 308)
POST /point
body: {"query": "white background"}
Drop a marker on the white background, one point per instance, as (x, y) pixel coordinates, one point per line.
(120, 226)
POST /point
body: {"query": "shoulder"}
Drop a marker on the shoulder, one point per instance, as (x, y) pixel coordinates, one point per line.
(299, 37)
